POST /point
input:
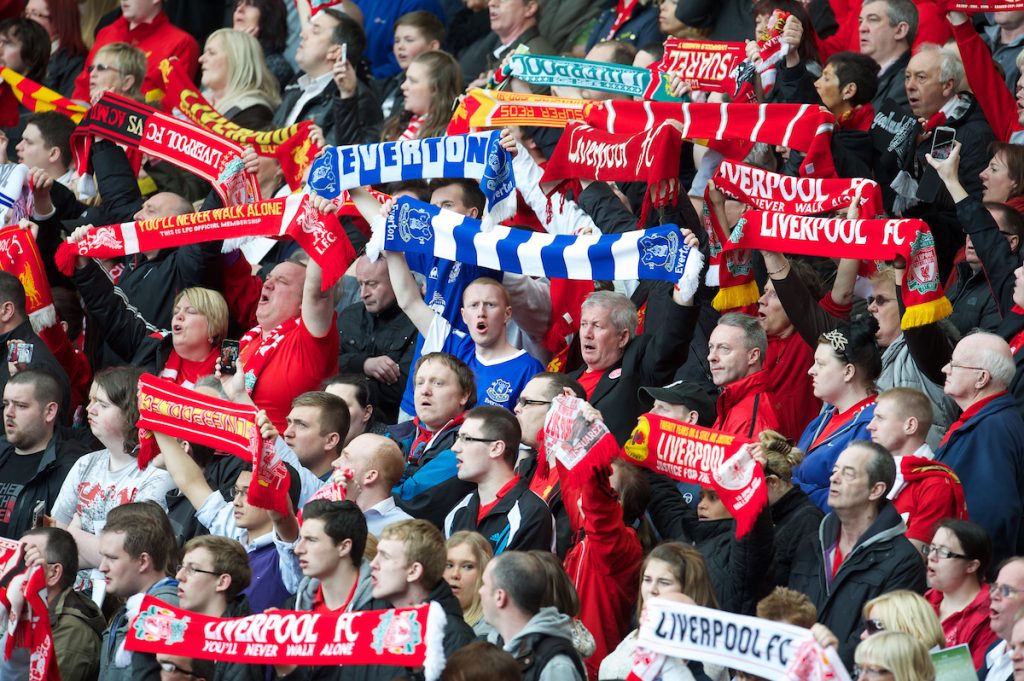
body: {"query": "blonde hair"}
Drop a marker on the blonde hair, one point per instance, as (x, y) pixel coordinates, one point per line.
(210, 304)
(129, 61)
(905, 657)
(482, 554)
(910, 613)
(781, 457)
(787, 605)
(424, 544)
(248, 75)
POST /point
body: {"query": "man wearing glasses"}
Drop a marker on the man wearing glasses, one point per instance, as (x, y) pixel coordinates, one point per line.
(1007, 594)
(985, 447)
(502, 507)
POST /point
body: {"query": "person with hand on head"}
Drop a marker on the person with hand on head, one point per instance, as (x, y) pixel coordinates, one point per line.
(369, 467)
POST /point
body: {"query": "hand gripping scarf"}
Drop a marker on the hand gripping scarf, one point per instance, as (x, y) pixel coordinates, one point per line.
(657, 253)
(802, 127)
(37, 98)
(291, 145)
(770, 191)
(860, 239)
(771, 49)
(399, 637)
(707, 457)
(576, 443)
(579, 73)
(477, 156)
(227, 427)
(31, 629)
(20, 256)
(651, 156)
(710, 66)
(182, 143)
(496, 109)
(320, 235)
(760, 647)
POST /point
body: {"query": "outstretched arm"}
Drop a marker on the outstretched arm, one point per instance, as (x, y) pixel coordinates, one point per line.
(317, 305)
(185, 472)
(407, 293)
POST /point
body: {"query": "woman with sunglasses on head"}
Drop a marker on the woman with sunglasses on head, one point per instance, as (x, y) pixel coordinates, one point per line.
(893, 656)
(958, 560)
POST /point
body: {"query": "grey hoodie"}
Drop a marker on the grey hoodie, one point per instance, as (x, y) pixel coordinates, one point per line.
(548, 622)
(306, 592)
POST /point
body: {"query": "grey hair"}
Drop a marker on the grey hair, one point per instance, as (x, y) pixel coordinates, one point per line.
(999, 365)
(753, 335)
(950, 66)
(621, 311)
(901, 11)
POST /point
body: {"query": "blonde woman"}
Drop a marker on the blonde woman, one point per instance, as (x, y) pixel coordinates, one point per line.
(468, 555)
(893, 656)
(236, 80)
(904, 611)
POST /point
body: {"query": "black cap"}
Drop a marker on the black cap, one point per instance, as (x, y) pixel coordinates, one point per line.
(690, 395)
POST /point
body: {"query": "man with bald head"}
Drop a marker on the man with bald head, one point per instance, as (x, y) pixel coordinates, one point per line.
(370, 466)
(985, 447)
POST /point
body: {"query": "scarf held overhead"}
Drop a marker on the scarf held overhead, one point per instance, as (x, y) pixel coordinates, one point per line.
(590, 75)
(860, 239)
(477, 156)
(32, 630)
(185, 144)
(20, 257)
(710, 66)
(710, 458)
(225, 426)
(496, 109)
(38, 98)
(293, 216)
(400, 637)
(657, 253)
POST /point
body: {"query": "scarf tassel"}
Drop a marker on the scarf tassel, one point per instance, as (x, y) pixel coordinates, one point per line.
(65, 257)
(733, 297)
(927, 312)
(434, 663)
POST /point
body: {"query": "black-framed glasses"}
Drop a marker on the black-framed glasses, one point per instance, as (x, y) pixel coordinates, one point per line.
(524, 402)
(874, 626)
(469, 438)
(1003, 590)
(191, 570)
(940, 551)
(170, 668)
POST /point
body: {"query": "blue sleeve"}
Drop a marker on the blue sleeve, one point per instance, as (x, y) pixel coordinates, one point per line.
(436, 471)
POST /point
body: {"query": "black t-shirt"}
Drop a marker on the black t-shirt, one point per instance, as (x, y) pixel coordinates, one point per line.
(18, 470)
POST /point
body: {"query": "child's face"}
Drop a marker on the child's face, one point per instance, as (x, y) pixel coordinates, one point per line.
(409, 44)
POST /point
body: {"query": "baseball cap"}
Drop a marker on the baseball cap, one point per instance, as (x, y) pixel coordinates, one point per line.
(688, 394)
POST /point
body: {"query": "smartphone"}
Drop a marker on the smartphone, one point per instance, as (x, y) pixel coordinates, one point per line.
(942, 142)
(19, 352)
(38, 514)
(344, 52)
(228, 356)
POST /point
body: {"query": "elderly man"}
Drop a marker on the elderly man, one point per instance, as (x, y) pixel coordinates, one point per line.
(1007, 593)
(513, 23)
(985, 447)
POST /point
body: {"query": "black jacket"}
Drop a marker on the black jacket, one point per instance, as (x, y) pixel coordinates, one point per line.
(519, 521)
(355, 120)
(883, 560)
(973, 304)
(795, 517)
(42, 358)
(62, 70)
(57, 461)
(729, 20)
(892, 83)
(564, 539)
(365, 335)
(234, 671)
(998, 261)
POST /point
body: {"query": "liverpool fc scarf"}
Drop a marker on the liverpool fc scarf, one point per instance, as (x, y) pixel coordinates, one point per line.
(619, 79)
(710, 67)
(37, 98)
(291, 145)
(860, 239)
(703, 456)
(225, 426)
(496, 109)
(651, 156)
(182, 143)
(255, 350)
(477, 156)
(33, 630)
(293, 216)
(20, 256)
(802, 127)
(399, 637)
(657, 253)
(771, 49)
(760, 647)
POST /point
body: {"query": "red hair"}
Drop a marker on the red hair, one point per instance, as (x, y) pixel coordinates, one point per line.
(66, 22)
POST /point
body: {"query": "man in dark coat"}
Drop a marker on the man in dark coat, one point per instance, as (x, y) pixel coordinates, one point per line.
(860, 551)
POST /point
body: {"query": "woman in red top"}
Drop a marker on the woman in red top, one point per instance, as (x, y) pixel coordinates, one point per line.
(958, 559)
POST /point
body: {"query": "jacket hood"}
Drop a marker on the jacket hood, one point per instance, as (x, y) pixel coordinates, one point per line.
(548, 622)
(73, 603)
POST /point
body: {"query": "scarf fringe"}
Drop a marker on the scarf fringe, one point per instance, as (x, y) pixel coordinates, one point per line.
(434, 663)
(43, 318)
(926, 313)
(734, 297)
(690, 280)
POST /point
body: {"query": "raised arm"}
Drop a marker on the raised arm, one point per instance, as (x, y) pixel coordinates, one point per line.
(407, 293)
(185, 472)
(996, 101)
(317, 305)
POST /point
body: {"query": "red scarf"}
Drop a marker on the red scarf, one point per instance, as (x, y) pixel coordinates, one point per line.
(858, 118)
(19, 256)
(703, 456)
(412, 131)
(771, 49)
(400, 637)
(33, 631)
(802, 127)
(291, 146)
(966, 416)
(424, 437)
(185, 372)
(623, 11)
(651, 156)
(37, 98)
(984, 5)
(225, 426)
(320, 235)
(708, 66)
(860, 239)
(840, 419)
(255, 350)
(185, 144)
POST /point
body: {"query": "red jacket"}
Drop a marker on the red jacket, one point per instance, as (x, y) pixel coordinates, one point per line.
(932, 27)
(159, 40)
(745, 407)
(791, 389)
(932, 493)
(998, 103)
(970, 625)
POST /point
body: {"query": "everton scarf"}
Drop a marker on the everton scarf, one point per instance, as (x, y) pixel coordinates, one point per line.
(20, 256)
(707, 457)
(580, 73)
(651, 156)
(37, 98)
(399, 637)
(657, 253)
(802, 127)
(182, 143)
(760, 647)
(497, 109)
(33, 630)
(228, 427)
(860, 239)
(710, 67)
(291, 146)
(477, 156)
(293, 216)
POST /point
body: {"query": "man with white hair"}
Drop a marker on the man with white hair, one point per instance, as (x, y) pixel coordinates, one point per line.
(985, 447)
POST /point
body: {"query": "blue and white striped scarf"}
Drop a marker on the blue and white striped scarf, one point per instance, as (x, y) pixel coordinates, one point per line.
(657, 253)
(476, 156)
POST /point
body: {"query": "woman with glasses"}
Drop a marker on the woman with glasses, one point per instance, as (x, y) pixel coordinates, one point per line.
(118, 68)
(893, 656)
(60, 18)
(958, 560)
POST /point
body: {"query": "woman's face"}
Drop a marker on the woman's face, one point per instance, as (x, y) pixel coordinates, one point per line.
(106, 420)
(827, 86)
(658, 579)
(359, 416)
(104, 76)
(39, 12)
(710, 506)
(10, 53)
(190, 330)
(883, 307)
(416, 89)
(828, 374)
(246, 18)
(995, 180)
(947, 574)
(462, 574)
(214, 63)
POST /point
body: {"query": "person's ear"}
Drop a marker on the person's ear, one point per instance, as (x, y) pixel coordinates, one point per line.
(692, 418)
(332, 442)
(50, 412)
(223, 583)
(910, 425)
(849, 91)
(433, 45)
(902, 31)
(344, 548)
(127, 83)
(473, 213)
(415, 572)
(54, 572)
